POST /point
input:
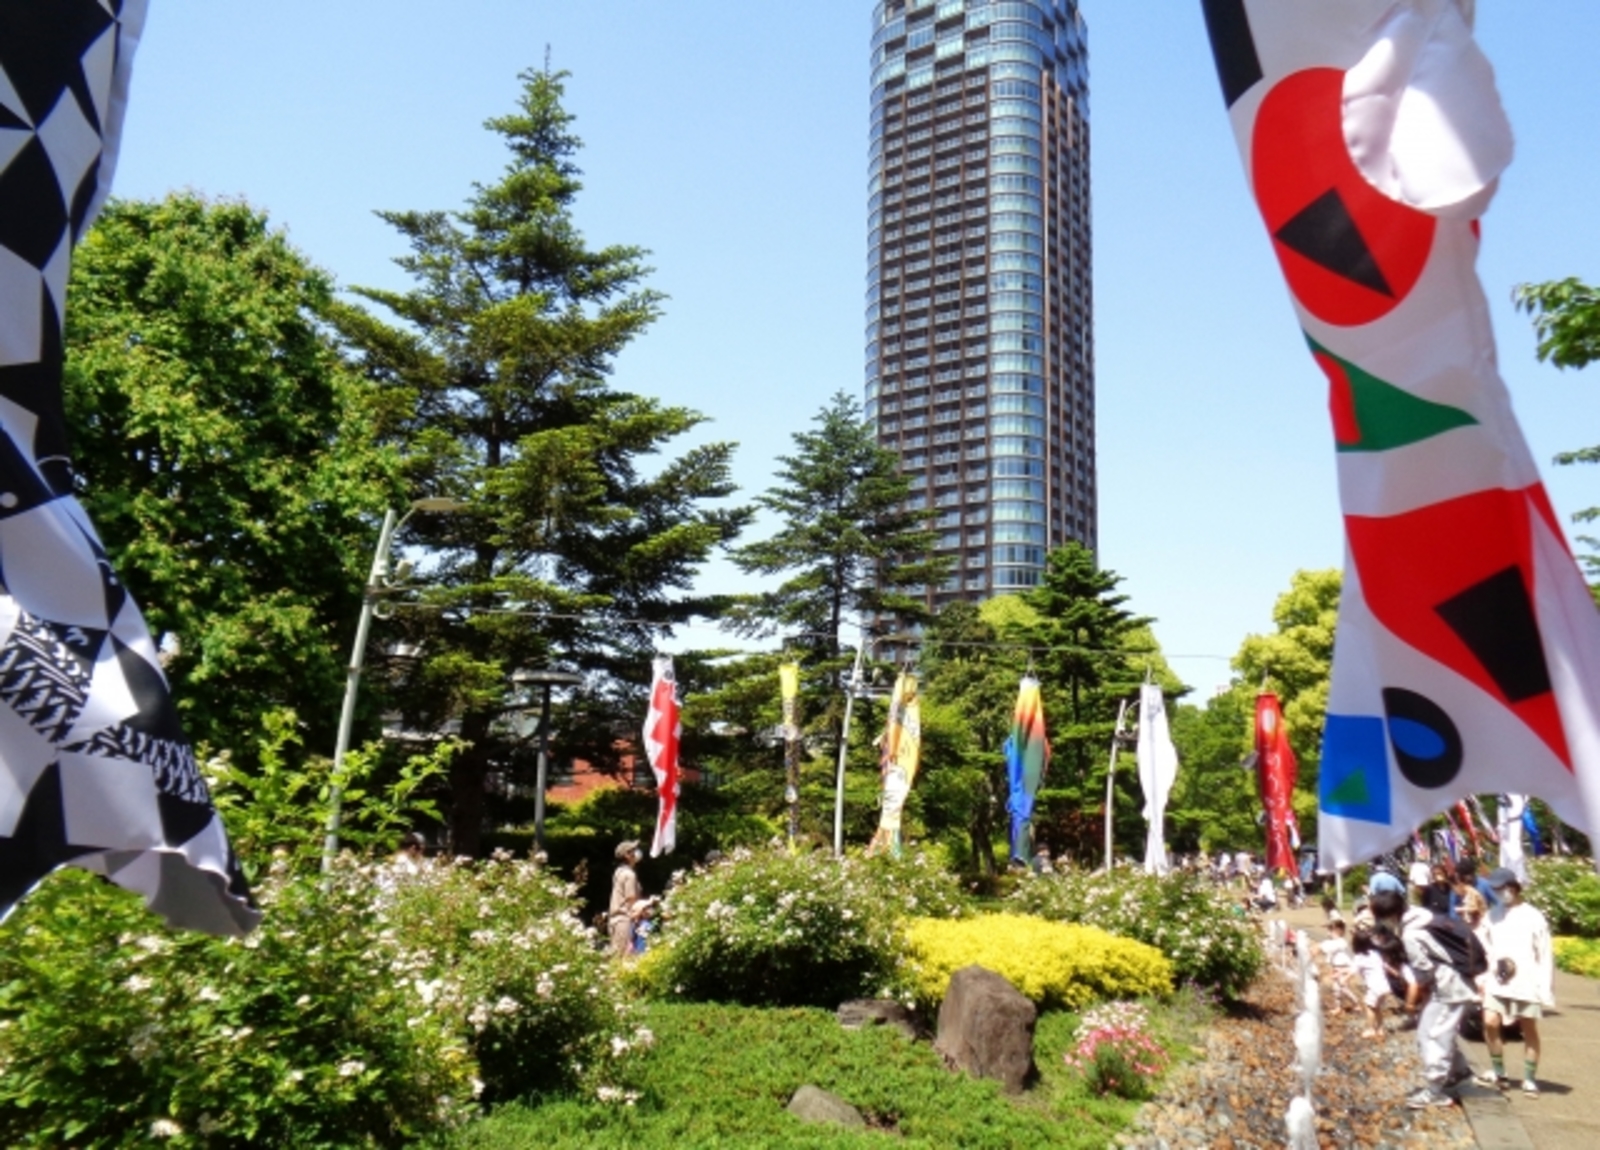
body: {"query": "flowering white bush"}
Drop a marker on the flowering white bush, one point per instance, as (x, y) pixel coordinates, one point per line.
(1209, 943)
(770, 927)
(116, 1032)
(498, 947)
(372, 1012)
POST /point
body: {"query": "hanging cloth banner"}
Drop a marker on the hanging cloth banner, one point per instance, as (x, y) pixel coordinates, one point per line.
(662, 733)
(1158, 769)
(1530, 826)
(897, 762)
(95, 771)
(1027, 753)
(1465, 817)
(1509, 810)
(1276, 771)
(789, 693)
(789, 690)
(1468, 649)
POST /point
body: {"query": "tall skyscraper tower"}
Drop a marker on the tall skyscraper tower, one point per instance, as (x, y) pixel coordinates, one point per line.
(980, 353)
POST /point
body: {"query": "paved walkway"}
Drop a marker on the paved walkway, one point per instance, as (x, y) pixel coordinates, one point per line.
(1566, 1115)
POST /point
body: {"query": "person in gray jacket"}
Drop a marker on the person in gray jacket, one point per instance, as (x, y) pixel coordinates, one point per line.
(1440, 992)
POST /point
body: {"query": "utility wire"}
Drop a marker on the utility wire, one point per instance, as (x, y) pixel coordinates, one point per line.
(974, 644)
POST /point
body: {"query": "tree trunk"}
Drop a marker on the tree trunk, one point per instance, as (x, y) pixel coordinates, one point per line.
(468, 772)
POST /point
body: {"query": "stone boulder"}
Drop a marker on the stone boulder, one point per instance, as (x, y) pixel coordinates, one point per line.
(813, 1104)
(986, 1028)
(863, 1012)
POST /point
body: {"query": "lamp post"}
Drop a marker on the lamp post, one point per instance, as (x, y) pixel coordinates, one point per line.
(378, 585)
(546, 679)
(1120, 740)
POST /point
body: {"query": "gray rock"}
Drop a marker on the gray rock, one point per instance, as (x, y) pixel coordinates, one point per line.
(813, 1104)
(860, 1012)
(986, 1028)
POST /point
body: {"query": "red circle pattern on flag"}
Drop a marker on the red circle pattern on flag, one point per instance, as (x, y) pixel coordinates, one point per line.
(1350, 253)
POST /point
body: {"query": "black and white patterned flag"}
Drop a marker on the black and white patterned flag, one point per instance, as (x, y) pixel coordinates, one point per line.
(94, 769)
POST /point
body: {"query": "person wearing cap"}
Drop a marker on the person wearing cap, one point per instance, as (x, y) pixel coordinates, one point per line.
(626, 895)
(1438, 997)
(1383, 880)
(1520, 981)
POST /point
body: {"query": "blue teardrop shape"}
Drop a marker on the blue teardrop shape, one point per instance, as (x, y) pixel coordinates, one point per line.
(1412, 738)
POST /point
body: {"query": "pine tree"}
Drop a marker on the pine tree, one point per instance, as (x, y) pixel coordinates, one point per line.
(572, 554)
(846, 539)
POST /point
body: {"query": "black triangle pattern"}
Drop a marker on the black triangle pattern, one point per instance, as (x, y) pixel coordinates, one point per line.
(1325, 233)
(51, 668)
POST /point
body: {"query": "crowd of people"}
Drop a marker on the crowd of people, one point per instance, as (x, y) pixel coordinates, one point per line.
(1444, 947)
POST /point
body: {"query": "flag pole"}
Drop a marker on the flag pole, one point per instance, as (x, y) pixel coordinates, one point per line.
(1111, 775)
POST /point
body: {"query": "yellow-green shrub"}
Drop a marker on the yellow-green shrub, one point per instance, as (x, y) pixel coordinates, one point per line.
(1056, 965)
(1578, 955)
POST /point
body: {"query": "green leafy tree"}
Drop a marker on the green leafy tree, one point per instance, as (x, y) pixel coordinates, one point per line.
(1215, 802)
(579, 548)
(229, 456)
(1566, 318)
(971, 679)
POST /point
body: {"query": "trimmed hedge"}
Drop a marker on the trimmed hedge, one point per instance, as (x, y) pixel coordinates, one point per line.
(1057, 966)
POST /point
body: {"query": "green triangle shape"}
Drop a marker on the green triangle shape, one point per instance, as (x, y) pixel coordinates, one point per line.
(1388, 416)
(1350, 792)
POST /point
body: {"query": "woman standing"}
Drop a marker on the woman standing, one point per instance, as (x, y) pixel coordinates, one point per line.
(1520, 981)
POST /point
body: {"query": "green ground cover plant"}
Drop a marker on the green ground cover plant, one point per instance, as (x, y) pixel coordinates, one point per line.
(720, 1075)
(1208, 941)
(1057, 965)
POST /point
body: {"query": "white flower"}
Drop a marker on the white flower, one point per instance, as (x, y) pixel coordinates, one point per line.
(303, 1000)
(507, 1005)
(143, 1043)
(295, 1077)
(350, 1067)
(137, 984)
(477, 1087)
(165, 1128)
(208, 994)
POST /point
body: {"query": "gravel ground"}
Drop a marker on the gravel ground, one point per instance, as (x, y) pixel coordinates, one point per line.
(1236, 1097)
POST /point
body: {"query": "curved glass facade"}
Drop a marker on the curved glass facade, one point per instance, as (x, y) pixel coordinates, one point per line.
(979, 353)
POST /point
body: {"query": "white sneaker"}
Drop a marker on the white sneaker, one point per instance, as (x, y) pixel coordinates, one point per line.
(1427, 1098)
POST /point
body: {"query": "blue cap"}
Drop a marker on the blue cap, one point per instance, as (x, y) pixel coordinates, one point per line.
(1383, 880)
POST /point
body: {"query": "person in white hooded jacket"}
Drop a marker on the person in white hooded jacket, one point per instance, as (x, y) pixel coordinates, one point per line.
(1439, 998)
(1521, 978)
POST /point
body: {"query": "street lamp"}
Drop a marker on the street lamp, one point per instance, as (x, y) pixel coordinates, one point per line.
(378, 585)
(546, 679)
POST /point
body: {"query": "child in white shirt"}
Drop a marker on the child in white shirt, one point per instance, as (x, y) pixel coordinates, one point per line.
(1337, 969)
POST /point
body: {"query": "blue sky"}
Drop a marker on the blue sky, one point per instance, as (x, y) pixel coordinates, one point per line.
(731, 140)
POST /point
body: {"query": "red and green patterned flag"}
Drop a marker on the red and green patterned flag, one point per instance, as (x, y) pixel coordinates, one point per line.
(1467, 657)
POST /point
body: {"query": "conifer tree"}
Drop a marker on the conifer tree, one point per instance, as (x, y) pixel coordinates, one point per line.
(578, 549)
